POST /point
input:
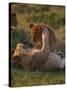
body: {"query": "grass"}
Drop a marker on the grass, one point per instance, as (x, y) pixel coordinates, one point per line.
(26, 14)
(21, 77)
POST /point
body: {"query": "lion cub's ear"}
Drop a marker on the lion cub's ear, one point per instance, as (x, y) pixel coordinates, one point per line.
(31, 25)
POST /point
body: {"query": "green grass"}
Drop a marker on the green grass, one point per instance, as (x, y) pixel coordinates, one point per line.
(21, 77)
(26, 14)
(54, 16)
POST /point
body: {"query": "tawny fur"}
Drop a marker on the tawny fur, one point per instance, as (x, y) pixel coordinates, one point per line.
(42, 59)
(36, 31)
(34, 58)
(53, 61)
(19, 51)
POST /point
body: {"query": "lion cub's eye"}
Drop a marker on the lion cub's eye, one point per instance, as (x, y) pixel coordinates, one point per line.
(40, 27)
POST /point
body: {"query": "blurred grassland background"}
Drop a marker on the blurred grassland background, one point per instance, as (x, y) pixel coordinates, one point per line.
(54, 16)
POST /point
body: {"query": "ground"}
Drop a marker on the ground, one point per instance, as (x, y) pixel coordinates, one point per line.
(21, 77)
(37, 14)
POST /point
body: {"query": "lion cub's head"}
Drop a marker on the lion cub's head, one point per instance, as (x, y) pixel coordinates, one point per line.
(36, 31)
